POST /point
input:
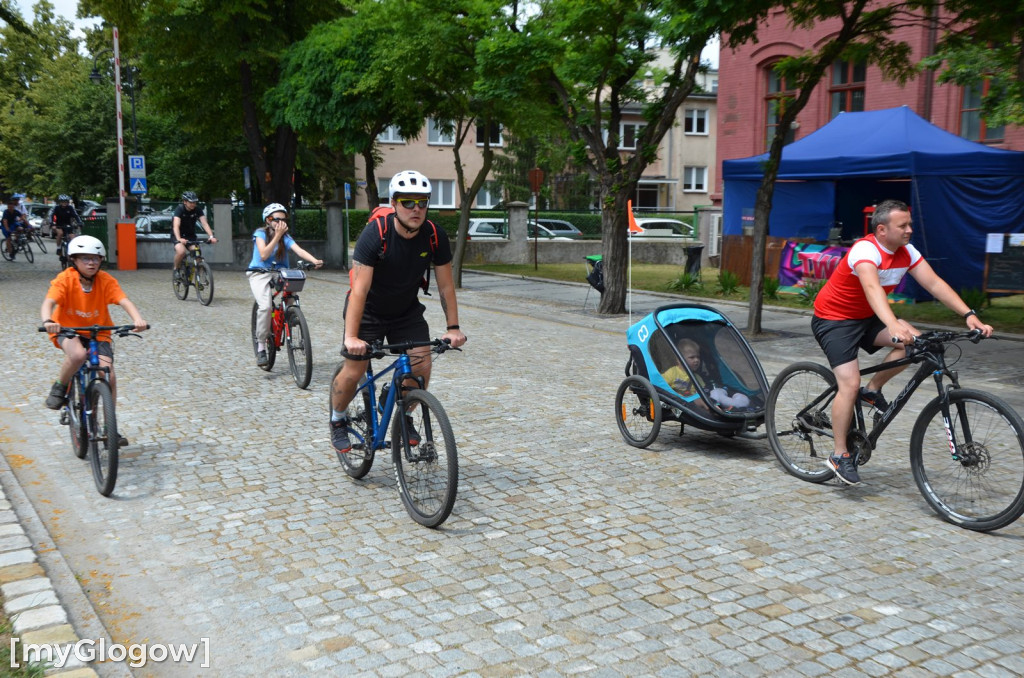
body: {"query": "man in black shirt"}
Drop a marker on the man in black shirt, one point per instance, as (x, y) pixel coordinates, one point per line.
(183, 225)
(65, 219)
(388, 264)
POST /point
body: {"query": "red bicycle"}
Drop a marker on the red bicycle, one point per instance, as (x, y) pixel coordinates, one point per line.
(288, 327)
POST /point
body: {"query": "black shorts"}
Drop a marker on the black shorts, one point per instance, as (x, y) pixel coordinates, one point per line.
(410, 326)
(840, 339)
(102, 347)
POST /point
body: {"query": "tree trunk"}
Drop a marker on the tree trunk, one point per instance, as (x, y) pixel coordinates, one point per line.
(615, 253)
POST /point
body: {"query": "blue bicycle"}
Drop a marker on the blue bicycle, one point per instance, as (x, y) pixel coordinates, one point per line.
(89, 412)
(424, 454)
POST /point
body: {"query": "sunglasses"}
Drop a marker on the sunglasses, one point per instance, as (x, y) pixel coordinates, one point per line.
(409, 203)
(277, 219)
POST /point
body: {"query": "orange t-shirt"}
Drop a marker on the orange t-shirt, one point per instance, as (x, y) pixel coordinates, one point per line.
(77, 308)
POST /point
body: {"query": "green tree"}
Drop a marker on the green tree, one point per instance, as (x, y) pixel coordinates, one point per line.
(593, 57)
(9, 14)
(984, 41)
(863, 36)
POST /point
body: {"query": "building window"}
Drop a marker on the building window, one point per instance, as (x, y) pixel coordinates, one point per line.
(382, 191)
(443, 194)
(390, 136)
(695, 179)
(482, 135)
(778, 92)
(436, 136)
(695, 121)
(628, 134)
(972, 124)
(489, 196)
(847, 90)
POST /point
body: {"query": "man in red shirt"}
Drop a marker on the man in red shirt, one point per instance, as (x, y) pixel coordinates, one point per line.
(852, 311)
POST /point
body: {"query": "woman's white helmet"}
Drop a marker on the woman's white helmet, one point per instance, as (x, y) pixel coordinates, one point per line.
(273, 207)
(86, 244)
(408, 182)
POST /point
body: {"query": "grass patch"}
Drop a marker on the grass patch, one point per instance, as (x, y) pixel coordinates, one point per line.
(1005, 314)
(6, 671)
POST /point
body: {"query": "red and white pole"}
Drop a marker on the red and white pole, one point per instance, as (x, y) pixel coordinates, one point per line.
(120, 126)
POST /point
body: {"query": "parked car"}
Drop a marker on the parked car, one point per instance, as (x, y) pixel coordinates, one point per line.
(562, 228)
(657, 227)
(37, 216)
(497, 229)
(157, 226)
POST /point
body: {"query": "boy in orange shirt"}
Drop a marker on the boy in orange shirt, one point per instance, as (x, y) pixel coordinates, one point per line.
(79, 296)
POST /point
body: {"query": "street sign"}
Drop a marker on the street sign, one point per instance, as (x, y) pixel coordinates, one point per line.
(536, 177)
(138, 185)
(348, 191)
(137, 167)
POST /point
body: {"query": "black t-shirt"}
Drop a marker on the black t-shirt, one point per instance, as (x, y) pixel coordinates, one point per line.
(65, 215)
(187, 228)
(397, 274)
(10, 216)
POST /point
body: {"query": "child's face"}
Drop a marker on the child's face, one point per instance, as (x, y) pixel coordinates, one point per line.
(86, 264)
(692, 357)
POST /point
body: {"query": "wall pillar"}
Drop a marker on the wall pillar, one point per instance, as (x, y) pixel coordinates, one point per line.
(220, 217)
(519, 247)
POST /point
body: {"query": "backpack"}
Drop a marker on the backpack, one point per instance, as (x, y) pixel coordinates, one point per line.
(383, 216)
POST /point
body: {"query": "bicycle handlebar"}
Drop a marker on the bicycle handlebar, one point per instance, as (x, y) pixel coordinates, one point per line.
(377, 349)
(936, 340)
(93, 330)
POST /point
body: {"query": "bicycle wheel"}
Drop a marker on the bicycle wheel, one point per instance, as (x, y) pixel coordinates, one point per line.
(983, 489)
(271, 346)
(798, 420)
(638, 411)
(428, 473)
(102, 428)
(75, 420)
(62, 254)
(359, 459)
(204, 283)
(26, 247)
(179, 278)
(300, 347)
(38, 240)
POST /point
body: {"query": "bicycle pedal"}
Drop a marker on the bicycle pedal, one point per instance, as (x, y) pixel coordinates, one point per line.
(64, 417)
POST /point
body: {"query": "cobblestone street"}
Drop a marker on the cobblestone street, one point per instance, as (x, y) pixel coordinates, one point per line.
(568, 552)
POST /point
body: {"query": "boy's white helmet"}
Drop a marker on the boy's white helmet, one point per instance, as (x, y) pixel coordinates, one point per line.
(86, 244)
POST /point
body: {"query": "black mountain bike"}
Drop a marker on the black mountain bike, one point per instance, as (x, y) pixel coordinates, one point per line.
(194, 272)
(966, 448)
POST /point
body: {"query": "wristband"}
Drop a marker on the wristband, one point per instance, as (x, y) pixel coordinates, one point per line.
(969, 314)
(453, 327)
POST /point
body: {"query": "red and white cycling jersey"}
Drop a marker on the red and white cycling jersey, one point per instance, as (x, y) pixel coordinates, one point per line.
(842, 297)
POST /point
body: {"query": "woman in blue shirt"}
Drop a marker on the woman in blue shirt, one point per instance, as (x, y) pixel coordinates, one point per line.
(270, 250)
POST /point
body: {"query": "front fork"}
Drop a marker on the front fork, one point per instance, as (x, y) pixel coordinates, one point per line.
(947, 415)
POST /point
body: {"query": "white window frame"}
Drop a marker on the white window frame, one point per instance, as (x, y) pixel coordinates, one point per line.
(690, 179)
(390, 136)
(693, 117)
(489, 195)
(435, 137)
(443, 193)
(637, 131)
(494, 144)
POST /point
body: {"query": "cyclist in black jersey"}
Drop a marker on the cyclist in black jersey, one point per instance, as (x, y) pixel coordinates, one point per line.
(65, 219)
(183, 225)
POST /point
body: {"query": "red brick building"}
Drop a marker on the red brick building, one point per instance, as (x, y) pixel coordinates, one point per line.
(747, 88)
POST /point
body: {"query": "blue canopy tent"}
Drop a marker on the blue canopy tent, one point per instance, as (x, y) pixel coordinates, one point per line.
(958, 190)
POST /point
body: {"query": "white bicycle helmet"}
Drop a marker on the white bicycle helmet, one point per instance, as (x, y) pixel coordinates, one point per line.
(408, 182)
(273, 207)
(86, 244)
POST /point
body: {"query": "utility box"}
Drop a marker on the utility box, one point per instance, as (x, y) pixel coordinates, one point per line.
(126, 247)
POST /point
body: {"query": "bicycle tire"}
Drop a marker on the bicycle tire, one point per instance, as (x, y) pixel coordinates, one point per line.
(76, 420)
(26, 247)
(300, 347)
(204, 283)
(9, 256)
(102, 429)
(271, 346)
(357, 461)
(428, 477)
(638, 411)
(985, 490)
(791, 432)
(38, 239)
(179, 279)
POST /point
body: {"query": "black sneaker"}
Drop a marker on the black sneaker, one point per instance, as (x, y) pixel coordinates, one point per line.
(414, 436)
(844, 468)
(339, 436)
(874, 398)
(121, 440)
(261, 359)
(58, 396)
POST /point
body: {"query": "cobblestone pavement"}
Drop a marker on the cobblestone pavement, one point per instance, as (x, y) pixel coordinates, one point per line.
(568, 552)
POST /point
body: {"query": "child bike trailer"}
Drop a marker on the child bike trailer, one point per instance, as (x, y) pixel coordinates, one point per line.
(689, 363)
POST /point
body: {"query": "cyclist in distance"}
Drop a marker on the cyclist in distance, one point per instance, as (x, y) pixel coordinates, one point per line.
(65, 219)
(270, 246)
(183, 225)
(79, 296)
(852, 311)
(11, 222)
(391, 257)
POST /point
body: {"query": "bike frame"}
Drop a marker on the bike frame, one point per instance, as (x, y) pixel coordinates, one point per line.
(90, 371)
(193, 255)
(401, 370)
(280, 301)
